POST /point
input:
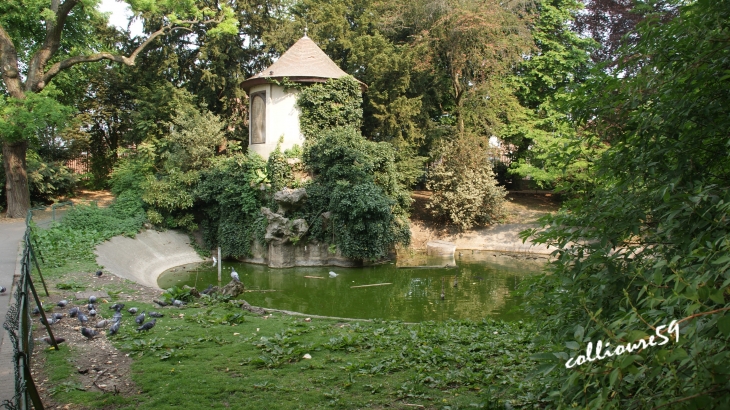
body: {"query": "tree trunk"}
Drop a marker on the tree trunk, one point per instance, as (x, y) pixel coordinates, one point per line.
(16, 179)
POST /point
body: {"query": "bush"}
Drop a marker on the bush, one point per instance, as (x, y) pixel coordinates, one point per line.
(465, 190)
(48, 180)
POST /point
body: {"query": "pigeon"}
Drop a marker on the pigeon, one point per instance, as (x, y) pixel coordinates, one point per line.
(98, 273)
(456, 282)
(140, 319)
(36, 311)
(48, 340)
(92, 299)
(148, 325)
(101, 323)
(117, 306)
(62, 303)
(207, 290)
(51, 321)
(155, 314)
(234, 275)
(73, 312)
(133, 310)
(83, 318)
(90, 306)
(177, 303)
(333, 275)
(88, 333)
(57, 316)
(3, 289)
(215, 261)
(92, 312)
(114, 328)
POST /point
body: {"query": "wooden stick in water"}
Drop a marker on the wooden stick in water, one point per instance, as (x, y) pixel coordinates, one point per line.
(374, 284)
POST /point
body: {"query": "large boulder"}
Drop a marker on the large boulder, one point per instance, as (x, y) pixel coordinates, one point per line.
(290, 199)
(280, 229)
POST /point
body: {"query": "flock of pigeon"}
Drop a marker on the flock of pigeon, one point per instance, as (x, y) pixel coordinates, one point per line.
(84, 313)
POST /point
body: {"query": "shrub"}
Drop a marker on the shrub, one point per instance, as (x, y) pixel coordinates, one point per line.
(465, 190)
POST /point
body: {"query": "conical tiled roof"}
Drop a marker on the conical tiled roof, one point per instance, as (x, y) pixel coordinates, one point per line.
(302, 62)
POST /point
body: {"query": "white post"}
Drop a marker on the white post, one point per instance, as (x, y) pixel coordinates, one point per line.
(220, 263)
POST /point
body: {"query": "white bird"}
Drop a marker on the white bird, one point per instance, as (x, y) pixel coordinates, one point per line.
(215, 261)
(234, 275)
(333, 275)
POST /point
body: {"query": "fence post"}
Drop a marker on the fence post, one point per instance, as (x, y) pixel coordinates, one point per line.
(38, 267)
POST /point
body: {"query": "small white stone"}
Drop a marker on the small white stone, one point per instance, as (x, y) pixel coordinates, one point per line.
(307, 356)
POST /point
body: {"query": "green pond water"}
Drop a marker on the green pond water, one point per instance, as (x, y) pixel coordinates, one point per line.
(485, 287)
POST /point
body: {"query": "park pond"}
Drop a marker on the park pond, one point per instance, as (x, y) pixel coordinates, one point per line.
(485, 284)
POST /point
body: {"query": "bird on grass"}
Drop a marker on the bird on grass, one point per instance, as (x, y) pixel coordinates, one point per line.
(155, 314)
(98, 273)
(147, 326)
(133, 310)
(114, 328)
(207, 290)
(88, 333)
(177, 303)
(140, 319)
(117, 306)
(92, 312)
(62, 303)
(333, 275)
(90, 306)
(57, 316)
(73, 312)
(117, 317)
(234, 275)
(48, 340)
(92, 299)
(102, 323)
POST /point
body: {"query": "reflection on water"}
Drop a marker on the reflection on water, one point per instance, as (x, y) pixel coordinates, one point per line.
(480, 285)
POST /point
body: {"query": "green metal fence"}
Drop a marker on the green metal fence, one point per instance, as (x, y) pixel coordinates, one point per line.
(18, 321)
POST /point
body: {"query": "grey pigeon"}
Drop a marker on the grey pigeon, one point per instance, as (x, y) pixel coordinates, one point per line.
(51, 321)
(117, 317)
(234, 275)
(90, 306)
(101, 323)
(114, 328)
(83, 318)
(98, 273)
(155, 314)
(147, 326)
(92, 312)
(117, 306)
(3, 289)
(88, 333)
(92, 299)
(177, 303)
(140, 319)
(62, 303)
(133, 310)
(207, 290)
(57, 316)
(48, 340)
(36, 311)
(73, 312)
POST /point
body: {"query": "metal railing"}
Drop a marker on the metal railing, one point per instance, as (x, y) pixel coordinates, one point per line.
(19, 323)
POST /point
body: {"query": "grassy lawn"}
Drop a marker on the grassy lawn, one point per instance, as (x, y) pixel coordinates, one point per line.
(219, 357)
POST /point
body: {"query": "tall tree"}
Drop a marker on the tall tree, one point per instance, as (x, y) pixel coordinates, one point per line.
(40, 39)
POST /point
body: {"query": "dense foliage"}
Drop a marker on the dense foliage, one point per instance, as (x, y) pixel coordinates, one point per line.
(465, 190)
(649, 243)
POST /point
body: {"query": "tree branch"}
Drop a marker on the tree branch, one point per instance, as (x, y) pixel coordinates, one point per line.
(9, 65)
(130, 61)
